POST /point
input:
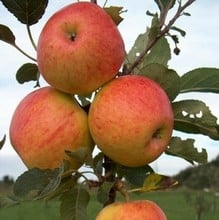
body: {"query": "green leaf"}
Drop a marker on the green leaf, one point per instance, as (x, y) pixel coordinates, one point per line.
(182, 32)
(2, 142)
(7, 202)
(149, 13)
(186, 150)
(67, 183)
(164, 5)
(7, 35)
(193, 116)
(137, 49)
(98, 164)
(154, 29)
(104, 191)
(200, 80)
(160, 53)
(82, 155)
(36, 183)
(168, 79)
(115, 12)
(74, 204)
(155, 181)
(28, 72)
(26, 11)
(134, 175)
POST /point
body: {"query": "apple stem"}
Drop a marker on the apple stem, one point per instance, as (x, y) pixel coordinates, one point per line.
(120, 186)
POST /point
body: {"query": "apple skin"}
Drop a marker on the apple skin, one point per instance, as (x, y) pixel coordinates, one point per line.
(45, 123)
(133, 210)
(80, 48)
(131, 120)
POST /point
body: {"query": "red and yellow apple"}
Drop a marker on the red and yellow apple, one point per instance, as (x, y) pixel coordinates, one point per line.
(133, 210)
(131, 120)
(80, 48)
(45, 124)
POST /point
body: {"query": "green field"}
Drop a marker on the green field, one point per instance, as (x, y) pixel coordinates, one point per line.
(174, 204)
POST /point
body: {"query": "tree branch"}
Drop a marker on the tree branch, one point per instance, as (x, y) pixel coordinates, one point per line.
(93, 1)
(152, 42)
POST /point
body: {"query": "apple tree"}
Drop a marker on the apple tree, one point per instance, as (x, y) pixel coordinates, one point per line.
(149, 57)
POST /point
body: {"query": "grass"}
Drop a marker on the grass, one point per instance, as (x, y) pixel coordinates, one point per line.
(173, 203)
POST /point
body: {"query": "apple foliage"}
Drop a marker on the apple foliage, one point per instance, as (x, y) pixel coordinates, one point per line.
(149, 56)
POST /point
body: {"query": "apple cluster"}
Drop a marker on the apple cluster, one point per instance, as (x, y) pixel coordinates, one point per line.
(80, 51)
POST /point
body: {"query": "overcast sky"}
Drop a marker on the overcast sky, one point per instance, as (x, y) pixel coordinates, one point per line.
(200, 48)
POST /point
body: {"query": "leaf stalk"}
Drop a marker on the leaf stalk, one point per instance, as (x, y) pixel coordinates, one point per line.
(31, 37)
(24, 53)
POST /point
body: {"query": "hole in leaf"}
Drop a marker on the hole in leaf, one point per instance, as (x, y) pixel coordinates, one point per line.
(184, 113)
(137, 54)
(192, 116)
(199, 115)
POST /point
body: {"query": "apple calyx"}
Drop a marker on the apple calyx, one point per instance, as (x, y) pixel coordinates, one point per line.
(72, 36)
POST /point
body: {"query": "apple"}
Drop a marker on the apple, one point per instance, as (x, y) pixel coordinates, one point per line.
(80, 48)
(131, 120)
(133, 210)
(45, 124)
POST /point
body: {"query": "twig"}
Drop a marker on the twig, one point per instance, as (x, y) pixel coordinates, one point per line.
(93, 1)
(151, 43)
(164, 13)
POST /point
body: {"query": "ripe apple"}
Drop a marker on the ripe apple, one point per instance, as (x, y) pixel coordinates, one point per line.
(133, 210)
(80, 48)
(131, 120)
(45, 124)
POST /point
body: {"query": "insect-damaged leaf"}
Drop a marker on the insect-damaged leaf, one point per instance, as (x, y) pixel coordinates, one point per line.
(193, 116)
(186, 150)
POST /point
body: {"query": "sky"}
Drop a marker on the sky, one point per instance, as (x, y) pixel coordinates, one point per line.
(199, 48)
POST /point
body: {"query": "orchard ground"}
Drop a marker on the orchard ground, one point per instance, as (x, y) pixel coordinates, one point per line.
(175, 204)
(199, 48)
